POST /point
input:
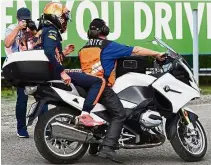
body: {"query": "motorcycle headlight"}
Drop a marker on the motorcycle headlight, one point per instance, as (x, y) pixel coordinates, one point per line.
(30, 90)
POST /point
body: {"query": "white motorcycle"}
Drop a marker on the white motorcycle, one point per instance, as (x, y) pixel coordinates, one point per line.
(155, 105)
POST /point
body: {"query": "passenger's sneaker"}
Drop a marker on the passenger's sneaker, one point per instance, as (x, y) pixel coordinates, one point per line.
(22, 133)
(87, 120)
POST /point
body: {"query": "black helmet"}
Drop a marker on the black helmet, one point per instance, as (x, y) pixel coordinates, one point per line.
(97, 27)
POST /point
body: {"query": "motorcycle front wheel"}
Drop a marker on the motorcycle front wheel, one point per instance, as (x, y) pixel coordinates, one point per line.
(57, 150)
(190, 148)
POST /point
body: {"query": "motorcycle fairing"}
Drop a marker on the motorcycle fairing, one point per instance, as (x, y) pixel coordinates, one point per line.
(177, 92)
(132, 79)
(136, 94)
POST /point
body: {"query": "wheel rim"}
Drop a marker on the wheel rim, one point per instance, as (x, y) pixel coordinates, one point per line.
(59, 146)
(194, 144)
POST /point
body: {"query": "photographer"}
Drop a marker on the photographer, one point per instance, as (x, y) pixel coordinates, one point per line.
(18, 37)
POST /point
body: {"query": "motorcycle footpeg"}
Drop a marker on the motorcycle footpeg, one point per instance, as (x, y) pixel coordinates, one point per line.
(76, 121)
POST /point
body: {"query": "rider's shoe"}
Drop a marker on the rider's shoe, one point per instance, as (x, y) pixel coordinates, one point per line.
(108, 153)
(93, 149)
(88, 121)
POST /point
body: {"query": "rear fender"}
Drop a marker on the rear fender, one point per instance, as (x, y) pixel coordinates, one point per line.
(36, 110)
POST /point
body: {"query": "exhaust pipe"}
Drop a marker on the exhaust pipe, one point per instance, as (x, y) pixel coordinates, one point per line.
(65, 131)
(128, 146)
(131, 146)
(60, 130)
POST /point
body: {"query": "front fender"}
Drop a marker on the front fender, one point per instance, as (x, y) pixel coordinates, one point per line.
(171, 123)
(191, 114)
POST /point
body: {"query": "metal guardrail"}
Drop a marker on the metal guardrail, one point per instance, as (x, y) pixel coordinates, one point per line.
(205, 72)
(202, 71)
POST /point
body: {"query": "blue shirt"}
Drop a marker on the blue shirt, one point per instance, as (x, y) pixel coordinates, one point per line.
(111, 53)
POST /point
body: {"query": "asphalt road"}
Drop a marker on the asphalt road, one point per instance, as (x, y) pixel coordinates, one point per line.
(17, 151)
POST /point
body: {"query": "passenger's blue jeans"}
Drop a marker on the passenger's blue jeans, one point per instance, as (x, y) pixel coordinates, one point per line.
(93, 84)
(21, 108)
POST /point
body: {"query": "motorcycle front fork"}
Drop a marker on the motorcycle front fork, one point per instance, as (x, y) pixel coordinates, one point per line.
(189, 125)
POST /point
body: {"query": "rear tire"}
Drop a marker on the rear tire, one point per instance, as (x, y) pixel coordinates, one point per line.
(183, 152)
(40, 142)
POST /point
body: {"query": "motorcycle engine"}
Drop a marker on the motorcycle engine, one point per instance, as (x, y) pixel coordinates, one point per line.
(150, 119)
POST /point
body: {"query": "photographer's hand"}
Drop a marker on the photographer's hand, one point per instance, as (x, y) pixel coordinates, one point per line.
(21, 25)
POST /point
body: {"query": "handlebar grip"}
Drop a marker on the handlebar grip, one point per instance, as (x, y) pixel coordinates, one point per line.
(165, 55)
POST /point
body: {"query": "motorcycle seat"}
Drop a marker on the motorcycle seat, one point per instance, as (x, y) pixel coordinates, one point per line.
(82, 92)
(59, 84)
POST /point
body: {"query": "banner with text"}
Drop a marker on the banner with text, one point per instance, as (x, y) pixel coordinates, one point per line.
(131, 22)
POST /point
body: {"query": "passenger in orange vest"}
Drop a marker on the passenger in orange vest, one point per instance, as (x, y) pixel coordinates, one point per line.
(98, 58)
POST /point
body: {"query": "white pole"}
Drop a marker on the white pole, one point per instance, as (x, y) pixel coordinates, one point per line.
(195, 46)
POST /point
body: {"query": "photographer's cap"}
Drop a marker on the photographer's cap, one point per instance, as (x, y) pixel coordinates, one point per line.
(23, 13)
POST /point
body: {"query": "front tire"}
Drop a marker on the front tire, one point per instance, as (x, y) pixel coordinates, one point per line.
(52, 154)
(187, 152)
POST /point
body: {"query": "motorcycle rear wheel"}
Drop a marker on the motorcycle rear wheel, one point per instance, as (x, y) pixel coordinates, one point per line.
(52, 149)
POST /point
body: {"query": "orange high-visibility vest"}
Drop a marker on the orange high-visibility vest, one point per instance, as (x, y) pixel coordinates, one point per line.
(90, 59)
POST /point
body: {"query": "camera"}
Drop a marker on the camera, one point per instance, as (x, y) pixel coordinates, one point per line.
(30, 24)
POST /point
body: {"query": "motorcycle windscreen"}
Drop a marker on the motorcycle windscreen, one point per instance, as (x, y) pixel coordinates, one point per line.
(177, 92)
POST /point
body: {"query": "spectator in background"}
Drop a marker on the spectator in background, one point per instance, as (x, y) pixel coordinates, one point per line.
(18, 38)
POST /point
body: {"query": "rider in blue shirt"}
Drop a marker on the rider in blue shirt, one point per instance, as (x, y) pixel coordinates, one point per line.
(106, 53)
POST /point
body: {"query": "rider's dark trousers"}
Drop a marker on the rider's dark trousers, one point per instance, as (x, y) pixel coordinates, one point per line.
(117, 116)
